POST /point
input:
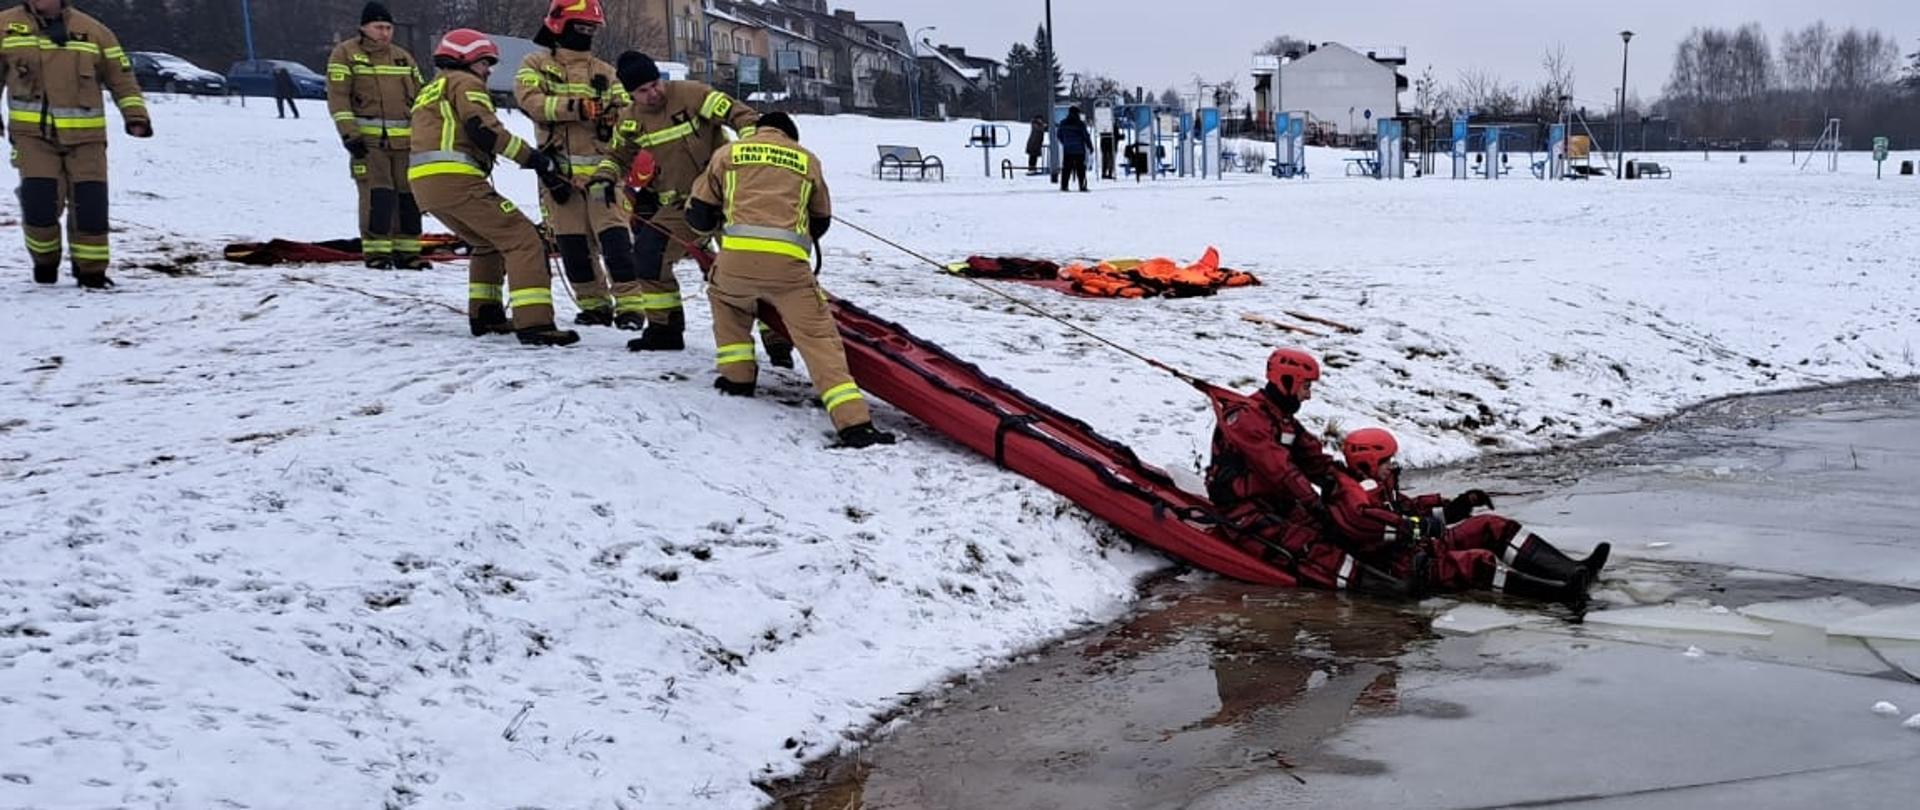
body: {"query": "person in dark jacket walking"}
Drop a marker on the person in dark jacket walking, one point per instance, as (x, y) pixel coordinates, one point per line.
(1075, 143)
(1036, 143)
(284, 93)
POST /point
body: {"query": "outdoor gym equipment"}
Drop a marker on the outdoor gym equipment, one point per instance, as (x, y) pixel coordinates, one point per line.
(1290, 145)
(986, 138)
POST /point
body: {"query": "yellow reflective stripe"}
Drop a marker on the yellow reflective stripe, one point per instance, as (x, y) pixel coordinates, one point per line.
(629, 303)
(43, 245)
(46, 44)
(97, 253)
(446, 126)
(552, 107)
(594, 302)
(378, 70)
(665, 136)
(530, 296)
(840, 395)
(608, 166)
(337, 72)
(480, 98)
(658, 301)
(131, 102)
(717, 105)
(391, 132)
(516, 148)
(343, 116)
(91, 122)
(733, 185)
(734, 353)
(114, 52)
(437, 169)
(406, 246)
(747, 132)
(376, 247)
(800, 215)
(774, 246)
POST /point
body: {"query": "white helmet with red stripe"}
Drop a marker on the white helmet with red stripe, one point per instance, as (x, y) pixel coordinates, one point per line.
(466, 46)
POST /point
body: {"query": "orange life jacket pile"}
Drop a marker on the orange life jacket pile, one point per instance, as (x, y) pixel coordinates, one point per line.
(1117, 278)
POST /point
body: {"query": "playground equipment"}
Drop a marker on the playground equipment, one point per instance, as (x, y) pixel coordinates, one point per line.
(1829, 143)
(1390, 149)
(1206, 143)
(988, 137)
(1290, 145)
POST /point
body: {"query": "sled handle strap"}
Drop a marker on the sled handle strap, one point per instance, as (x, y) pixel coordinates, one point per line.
(1008, 423)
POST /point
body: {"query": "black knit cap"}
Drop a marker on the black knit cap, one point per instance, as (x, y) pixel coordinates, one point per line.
(375, 11)
(635, 68)
(780, 121)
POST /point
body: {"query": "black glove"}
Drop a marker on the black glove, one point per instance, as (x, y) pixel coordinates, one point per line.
(140, 129)
(1462, 505)
(538, 163)
(646, 203)
(356, 146)
(604, 188)
(557, 186)
(1424, 529)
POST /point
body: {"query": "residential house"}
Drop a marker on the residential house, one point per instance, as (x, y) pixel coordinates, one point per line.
(799, 65)
(860, 65)
(1340, 87)
(733, 44)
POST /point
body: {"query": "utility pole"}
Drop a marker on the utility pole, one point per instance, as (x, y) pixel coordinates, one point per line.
(246, 22)
(1620, 129)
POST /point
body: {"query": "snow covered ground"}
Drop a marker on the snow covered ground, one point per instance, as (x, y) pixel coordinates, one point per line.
(272, 533)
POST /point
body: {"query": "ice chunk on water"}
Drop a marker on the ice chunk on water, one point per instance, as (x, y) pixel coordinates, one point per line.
(1694, 652)
(1809, 612)
(1472, 620)
(1912, 723)
(1680, 618)
(1886, 709)
(1901, 623)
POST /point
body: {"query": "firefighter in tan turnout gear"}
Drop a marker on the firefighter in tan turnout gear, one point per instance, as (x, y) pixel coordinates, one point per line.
(57, 61)
(456, 136)
(371, 86)
(680, 123)
(767, 197)
(574, 101)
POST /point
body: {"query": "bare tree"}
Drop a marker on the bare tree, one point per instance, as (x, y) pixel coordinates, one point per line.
(1806, 57)
(1484, 92)
(1863, 61)
(1283, 45)
(1170, 97)
(1547, 99)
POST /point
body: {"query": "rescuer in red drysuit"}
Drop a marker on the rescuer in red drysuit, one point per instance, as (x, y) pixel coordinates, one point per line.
(1459, 550)
(1263, 474)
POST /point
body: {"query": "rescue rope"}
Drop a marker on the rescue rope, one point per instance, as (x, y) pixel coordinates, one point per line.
(1035, 308)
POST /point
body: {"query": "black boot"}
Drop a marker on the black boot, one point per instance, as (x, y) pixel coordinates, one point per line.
(733, 389)
(46, 273)
(1569, 592)
(598, 316)
(658, 339)
(412, 263)
(547, 335)
(1540, 559)
(864, 435)
(379, 263)
(1597, 560)
(630, 321)
(780, 353)
(95, 282)
(490, 319)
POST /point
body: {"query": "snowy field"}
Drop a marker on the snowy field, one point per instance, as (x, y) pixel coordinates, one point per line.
(280, 533)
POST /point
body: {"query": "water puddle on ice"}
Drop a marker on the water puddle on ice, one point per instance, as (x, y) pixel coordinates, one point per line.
(1765, 577)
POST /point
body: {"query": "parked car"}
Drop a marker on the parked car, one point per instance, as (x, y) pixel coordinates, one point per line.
(171, 74)
(255, 78)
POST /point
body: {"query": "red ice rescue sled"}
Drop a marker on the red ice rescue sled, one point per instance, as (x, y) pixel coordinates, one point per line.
(1053, 449)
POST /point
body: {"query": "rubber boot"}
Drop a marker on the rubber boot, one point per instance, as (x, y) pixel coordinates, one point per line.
(379, 263)
(630, 321)
(95, 282)
(1540, 559)
(1569, 592)
(1597, 560)
(547, 335)
(598, 316)
(658, 338)
(412, 263)
(1368, 580)
(864, 434)
(491, 319)
(779, 353)
(46, 273)
(733, 389)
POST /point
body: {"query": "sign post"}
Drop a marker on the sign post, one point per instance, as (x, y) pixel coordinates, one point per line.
(1879, 156)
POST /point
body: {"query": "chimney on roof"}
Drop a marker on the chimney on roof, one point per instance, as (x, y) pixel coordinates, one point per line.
(843, 15)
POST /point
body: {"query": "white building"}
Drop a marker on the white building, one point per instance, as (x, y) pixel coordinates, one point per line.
(1337, 85)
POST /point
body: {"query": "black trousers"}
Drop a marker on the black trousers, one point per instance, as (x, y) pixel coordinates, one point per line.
(283, 104)
(1076, 167)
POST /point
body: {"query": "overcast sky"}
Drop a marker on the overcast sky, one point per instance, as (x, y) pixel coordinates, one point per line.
(1165, 43)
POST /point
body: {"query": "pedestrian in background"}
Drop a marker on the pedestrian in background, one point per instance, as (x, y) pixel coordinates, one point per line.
(284, 93)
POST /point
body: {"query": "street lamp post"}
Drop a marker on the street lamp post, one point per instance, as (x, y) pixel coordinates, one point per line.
(916, 65)
(1620, 128)
(246, 21)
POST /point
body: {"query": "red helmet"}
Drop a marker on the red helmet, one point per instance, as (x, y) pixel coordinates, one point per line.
(466, 46)
(1369, 452)
(1289, 370)
(561, 12)
(644, 168)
